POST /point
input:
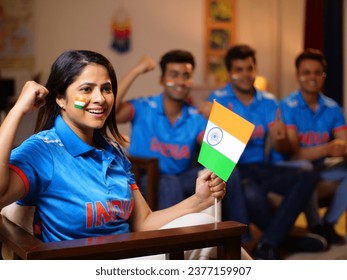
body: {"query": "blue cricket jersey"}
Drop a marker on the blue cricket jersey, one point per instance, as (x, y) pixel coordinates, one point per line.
(313, 128)
(261, 112)
(78, 191)
(152, 134)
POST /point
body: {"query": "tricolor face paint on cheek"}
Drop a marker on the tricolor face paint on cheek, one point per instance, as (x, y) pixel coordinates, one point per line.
(302, 79)
(177, 87)
(170, 84)
(80, 102)
(235, 77)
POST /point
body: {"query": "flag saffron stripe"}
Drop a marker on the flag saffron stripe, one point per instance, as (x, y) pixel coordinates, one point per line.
(220, 165)
(228, 145)
(79, 98)
(231, 122)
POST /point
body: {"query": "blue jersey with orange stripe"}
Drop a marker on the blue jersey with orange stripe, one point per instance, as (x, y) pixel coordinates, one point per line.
(261, 112)
(152, 134)
(313, 128)
(78, 190)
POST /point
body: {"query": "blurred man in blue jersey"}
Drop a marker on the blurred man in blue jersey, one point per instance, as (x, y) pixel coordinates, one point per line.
(317, 130)
(258, 177)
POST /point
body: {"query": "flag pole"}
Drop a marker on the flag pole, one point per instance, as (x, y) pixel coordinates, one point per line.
(215, 210)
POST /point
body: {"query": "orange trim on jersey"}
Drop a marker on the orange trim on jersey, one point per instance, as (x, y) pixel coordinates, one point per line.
(22, 175)
(132, 111)
(340, 128)
(134, 187)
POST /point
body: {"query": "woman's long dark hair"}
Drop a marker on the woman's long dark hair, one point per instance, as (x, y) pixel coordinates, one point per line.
(68, 66)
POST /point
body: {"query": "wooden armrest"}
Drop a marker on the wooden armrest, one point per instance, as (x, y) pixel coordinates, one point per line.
(225, 235)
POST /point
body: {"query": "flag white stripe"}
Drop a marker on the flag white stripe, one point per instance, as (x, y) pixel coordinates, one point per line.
(80, 103)
(229, 146)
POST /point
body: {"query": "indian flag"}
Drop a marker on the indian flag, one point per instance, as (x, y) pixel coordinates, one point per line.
(225, 139)
(80, 102)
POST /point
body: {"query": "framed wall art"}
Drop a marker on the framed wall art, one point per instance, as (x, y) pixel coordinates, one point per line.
(220, 35)
(17, 34)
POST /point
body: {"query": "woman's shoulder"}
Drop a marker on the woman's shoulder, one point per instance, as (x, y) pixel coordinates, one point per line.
(40, 141)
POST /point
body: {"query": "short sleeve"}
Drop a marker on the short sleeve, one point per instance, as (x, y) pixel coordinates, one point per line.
(340, 121)
(286, 114)
(33, 161)
(273, 111)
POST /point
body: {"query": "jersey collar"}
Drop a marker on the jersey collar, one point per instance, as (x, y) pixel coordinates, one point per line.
(257, 96)
(73, 144)
(303, 103)
(160, 104)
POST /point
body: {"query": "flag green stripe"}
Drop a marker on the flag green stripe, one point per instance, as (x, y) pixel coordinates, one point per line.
(215, 161)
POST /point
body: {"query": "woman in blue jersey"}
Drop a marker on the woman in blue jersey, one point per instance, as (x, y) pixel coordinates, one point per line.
(73, 169)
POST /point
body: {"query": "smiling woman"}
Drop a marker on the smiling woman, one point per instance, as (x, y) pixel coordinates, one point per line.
(76, 131)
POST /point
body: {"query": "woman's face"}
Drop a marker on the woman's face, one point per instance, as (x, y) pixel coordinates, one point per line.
(88, 101)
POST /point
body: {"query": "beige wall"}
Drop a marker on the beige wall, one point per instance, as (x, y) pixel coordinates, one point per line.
(273, 27)
(157, 27)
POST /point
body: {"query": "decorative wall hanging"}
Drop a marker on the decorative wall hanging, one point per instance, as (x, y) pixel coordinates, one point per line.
(121, 31)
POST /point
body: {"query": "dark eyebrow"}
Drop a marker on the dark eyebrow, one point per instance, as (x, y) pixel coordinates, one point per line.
(173, 71)
(94, 84)
(88, 84)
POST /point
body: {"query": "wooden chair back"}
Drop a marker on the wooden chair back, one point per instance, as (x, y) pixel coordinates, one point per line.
(150, 168)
